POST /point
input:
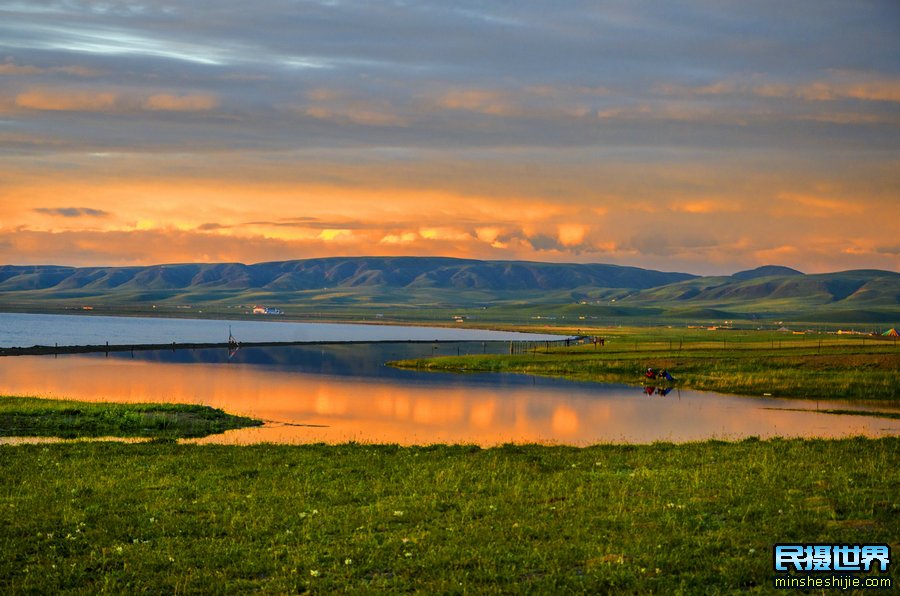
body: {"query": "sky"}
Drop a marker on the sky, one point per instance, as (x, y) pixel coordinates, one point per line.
(704, 136)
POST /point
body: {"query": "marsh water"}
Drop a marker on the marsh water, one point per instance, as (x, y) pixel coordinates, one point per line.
(337, 393)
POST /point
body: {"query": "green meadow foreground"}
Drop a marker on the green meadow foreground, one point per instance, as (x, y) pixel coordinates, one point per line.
(693, 518)
(814, 366)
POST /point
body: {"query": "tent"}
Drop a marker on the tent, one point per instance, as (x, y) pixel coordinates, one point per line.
(892, 332)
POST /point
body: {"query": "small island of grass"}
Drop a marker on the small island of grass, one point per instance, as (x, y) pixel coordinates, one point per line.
(37, 417)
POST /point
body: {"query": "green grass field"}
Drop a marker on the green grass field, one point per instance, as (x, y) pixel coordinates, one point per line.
(693, 518)
(743, 362)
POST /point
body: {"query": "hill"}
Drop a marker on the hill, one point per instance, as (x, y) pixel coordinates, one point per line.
(765, 271)
(432, 288)
(859, 296)
(311, 274)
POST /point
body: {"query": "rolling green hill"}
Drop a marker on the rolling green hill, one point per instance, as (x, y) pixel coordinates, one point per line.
(317, 274)
(427, 288)
(868, 293)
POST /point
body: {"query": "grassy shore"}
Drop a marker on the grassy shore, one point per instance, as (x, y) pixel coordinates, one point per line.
(694, 518)
(35, 417)
(745, 362)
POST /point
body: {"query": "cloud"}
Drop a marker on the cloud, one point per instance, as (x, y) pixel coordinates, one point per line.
(669, 245)
(889, 250)
(444, 233)
(482, 101)
(59, 99)
(340, 106)
(497, 130)
(8, 67)
(67, 100)
(821, 207)
(836, 87)
(844, 87)
(570, 234)
(489, 234)
(71, 211)
(336, 235)
(705, 206)
(167, 102)
(356, 114)
(399, 238)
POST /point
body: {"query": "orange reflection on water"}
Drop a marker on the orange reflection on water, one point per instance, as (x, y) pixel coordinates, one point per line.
(305, 407)
(565, 420)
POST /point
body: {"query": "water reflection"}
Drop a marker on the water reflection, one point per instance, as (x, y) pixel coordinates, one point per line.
(341, 393)
(658, 391)
(356, 360)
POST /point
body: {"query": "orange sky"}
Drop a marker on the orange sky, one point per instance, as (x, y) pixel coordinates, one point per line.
(611, 136)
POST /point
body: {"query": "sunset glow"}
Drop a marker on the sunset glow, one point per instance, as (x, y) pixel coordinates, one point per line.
(699, 136)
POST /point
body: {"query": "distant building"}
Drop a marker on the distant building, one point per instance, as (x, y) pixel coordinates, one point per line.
(266, 310)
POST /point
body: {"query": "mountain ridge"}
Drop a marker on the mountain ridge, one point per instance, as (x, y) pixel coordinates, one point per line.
(307, 274)
(311, 287)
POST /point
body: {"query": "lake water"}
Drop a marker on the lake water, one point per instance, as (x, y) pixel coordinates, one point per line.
(337, 393)
(26, 330)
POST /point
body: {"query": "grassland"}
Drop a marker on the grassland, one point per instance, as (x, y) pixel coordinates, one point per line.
(694, 518)
(35, 417)
(746, 362)
(162, 517)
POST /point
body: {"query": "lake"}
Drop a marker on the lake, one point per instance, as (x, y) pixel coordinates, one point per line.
(26, 330)
(337, 393)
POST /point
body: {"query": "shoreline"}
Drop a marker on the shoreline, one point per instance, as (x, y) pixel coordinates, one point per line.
(323, 319)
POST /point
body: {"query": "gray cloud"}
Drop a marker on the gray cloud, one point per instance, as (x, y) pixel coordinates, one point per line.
(889, 250)
(394, 68)
(544, 242)
(210, 227)
(71, 211)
